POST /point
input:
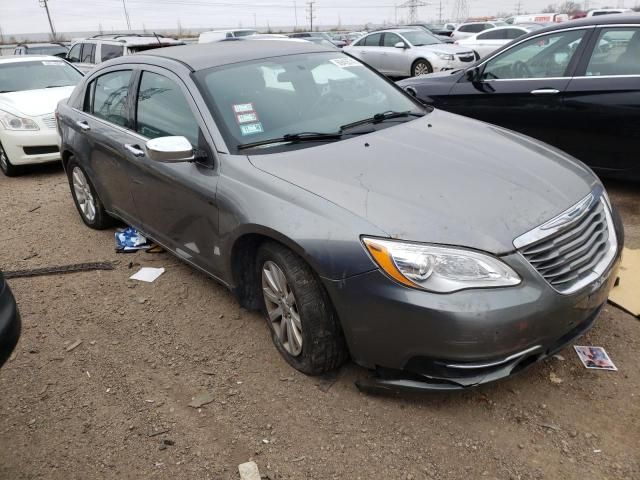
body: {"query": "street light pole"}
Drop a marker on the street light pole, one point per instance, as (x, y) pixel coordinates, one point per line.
(45, 5)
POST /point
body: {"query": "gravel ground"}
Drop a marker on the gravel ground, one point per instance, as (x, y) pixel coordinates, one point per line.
(117, 405)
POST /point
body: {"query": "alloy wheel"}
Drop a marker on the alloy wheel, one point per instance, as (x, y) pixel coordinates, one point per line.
(83, 193)
(422, 69)
(282, 308)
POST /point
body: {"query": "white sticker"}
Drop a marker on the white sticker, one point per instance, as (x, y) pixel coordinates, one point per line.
(56, 64)
(251, 129)
(243, 107)
(247, 117)
(345, 62)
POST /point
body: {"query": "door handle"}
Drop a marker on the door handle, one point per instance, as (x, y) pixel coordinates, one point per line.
(134, 150)
(83, 125)
(545, 91)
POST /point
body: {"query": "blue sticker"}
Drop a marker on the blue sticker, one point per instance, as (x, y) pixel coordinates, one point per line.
(251, 129)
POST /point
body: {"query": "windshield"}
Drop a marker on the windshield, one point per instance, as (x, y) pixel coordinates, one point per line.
(244, 33)
(417, 38)
(48, 50)
(18, 76)
(273, 97)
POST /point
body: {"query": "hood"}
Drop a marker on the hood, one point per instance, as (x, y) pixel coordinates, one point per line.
(34, 103)
(448, 76)
(446, 48)
(442, 179)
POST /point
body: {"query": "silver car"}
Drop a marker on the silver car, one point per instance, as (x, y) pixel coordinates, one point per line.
(409, 53)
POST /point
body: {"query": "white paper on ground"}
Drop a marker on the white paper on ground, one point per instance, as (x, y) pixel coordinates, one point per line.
(147, 274)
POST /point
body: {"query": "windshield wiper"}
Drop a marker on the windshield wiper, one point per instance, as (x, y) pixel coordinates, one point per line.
(294, 138)
(381, 117)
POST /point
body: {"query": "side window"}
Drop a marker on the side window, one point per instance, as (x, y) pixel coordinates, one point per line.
(373, 40)
(465, 28)
(110, 93)
(74, 54)
(539, 57)
(475, 28)
(617, 52)
(107, 52)
(88, 53)
(163, 110)
(390, 39)
(493, 35)
(513, 33)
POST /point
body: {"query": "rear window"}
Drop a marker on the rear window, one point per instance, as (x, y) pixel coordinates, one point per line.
(372, 40)
(111, 51)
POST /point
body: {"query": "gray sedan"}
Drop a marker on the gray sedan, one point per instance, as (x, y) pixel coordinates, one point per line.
(436, 250)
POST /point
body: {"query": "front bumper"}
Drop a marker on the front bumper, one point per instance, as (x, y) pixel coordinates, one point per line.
(9, 322)
(420, 340)
(15, 141)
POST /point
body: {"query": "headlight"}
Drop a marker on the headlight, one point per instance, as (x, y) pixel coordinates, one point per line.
(439, 269)
(444, 56)
(12, 122)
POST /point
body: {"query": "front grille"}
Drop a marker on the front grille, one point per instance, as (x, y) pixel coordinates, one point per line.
(49, 122)
(42, 150)
(575, 248)
(467, 58)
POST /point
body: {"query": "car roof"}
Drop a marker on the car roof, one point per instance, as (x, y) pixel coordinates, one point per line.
(27, 58)
(45, 44)
(613, 19)
(207, 55)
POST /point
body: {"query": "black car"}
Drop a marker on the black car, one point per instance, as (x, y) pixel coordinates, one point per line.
(574, 85)
(9, 321)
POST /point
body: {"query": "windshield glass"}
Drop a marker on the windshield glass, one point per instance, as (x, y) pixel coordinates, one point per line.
(17, 76)
(317, 92)
(48, 50)
(417, 38)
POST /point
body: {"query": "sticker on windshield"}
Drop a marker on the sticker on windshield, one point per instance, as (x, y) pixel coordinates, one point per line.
(243, 107)
(251, 129)
(249, 117)
(345, 62)
(57, 64)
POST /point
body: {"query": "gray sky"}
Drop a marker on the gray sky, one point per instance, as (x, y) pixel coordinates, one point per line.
(26, 16)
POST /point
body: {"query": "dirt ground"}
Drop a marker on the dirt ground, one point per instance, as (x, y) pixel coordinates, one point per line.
(116, 407)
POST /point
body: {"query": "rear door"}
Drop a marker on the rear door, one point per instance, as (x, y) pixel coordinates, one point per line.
(368, 50)
(106, 124)
(521, 88)
(487, 42)
(602, 102)
(176, 201)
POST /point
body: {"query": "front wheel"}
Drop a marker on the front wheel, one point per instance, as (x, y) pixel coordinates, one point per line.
(9, 169)
(86, 199)
(304, 326)
(421, 67)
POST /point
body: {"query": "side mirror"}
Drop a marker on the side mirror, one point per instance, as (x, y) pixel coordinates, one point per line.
(170, 150)
(401, 45)
(473, 74)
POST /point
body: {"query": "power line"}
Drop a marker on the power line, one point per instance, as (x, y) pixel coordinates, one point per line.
(45, 5)
(413, 5)
(460, 10)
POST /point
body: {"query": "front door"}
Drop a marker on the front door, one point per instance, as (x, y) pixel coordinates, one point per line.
(394, 61)
(521, 88)
(602, 102)
(176, 201)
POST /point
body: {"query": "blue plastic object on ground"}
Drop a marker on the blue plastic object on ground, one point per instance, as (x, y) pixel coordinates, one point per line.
(130, 240)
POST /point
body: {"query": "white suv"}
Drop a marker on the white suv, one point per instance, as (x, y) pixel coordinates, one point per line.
(87, 53)
(465, 30)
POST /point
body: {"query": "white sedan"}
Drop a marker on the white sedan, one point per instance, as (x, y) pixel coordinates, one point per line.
(30, 88)
(487, 41)
(409, 53)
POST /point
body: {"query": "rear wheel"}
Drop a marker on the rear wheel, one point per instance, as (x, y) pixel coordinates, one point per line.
(421, 67)
(86, 199)
(304, 326)
(9, 169)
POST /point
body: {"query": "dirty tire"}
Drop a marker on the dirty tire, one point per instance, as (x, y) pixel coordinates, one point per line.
(421, 67)
(9, 169)
(323, 345)
(101, 220)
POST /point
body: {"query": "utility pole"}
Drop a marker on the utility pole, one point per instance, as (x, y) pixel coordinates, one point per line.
(310, 5)
(45, 5)
(519, 7)
(413, 5)
(295, 12)
(255, 21)
(126, 15)
(440, 12)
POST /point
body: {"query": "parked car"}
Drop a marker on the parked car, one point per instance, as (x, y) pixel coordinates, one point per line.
(9, 321)
(85, 54)
(439, 250)
(317, 40)
(489, 40)
(574, 85)
(408, 52)
(607, 11)
(465, 30)
(443, 34)
(325, 35)
(55, 49)
(219, 35)
(30, 88)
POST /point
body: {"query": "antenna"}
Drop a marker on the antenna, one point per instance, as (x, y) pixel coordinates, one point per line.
(413, 5)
